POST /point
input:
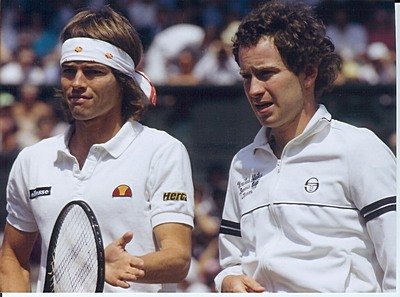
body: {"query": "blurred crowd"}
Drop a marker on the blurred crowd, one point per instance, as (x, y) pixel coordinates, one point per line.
(188, 42)
(185, 43)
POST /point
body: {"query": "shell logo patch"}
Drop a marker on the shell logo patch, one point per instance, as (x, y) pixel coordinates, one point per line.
(78, 49)
(122, 191)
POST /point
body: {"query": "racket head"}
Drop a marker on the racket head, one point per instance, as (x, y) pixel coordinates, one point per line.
(76, 245)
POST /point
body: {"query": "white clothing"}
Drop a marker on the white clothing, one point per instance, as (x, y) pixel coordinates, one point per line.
(124, 180)
(320, 219)
(350, 41)
(13, 74)
(209, 70)
(167, 45)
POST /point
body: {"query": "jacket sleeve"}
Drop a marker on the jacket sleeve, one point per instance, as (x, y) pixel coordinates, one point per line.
(373, 190)
(382, 231)
(231, 244)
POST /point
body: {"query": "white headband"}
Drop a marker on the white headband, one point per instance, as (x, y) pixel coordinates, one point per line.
(94, 50)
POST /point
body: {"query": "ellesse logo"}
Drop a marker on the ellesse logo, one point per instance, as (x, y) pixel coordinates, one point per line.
(41, 191)
(122, 191)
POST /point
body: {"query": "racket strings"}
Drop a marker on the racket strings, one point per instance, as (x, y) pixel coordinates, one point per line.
(75, 257)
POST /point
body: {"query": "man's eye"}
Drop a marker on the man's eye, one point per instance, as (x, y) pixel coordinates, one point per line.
(264, 75)
(92, 72)
(68, 71)
(246, 76)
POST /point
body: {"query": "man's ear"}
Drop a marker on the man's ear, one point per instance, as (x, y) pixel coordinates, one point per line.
(310, 76)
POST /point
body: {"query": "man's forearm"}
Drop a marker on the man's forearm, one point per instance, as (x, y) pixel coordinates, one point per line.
(13, 277)
(166, 266)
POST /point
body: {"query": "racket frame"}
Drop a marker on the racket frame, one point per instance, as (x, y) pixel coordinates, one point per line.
(49, 284)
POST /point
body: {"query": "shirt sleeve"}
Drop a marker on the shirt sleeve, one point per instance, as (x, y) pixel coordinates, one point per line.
(170, 186)
(231, 244)
(19, 211)
(373, 190)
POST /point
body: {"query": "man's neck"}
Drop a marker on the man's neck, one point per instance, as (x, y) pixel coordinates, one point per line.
(281, 136)
(88, 133)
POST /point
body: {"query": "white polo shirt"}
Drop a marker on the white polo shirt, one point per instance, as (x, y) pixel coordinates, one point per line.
(128, 181)
(320, 219)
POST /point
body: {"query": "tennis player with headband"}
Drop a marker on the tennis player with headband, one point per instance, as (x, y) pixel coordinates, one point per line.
(137, 179)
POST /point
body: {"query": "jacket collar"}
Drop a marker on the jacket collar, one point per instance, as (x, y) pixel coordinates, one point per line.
(263, 138)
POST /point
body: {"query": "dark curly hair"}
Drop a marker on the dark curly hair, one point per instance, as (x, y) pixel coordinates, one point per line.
(108, 25)
(299, 36)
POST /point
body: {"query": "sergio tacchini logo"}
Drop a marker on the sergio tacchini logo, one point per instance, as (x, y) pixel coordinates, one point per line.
(311, 185)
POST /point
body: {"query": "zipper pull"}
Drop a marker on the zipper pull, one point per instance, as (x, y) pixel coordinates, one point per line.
(278, 165)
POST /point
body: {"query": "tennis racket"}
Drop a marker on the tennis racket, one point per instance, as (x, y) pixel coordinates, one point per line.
(75, 259)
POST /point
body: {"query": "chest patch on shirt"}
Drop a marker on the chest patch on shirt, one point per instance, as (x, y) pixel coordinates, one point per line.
(311, 185)
(248, 184)
(175, 196)
(122, 191)
(40, 191)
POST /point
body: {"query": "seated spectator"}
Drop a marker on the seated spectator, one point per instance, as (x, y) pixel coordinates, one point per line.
(5, 53)
(27, 110)
(143, 16)
(349, 38)
(167, 45)
(51, 67)
(8, 125)
(381, 28)
(217, 66)
(23, 69)
(379, 65)
(181, 73)
(49, 125)
(9, 148)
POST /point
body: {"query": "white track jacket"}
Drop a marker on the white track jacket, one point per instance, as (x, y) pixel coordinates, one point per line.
(320, 219)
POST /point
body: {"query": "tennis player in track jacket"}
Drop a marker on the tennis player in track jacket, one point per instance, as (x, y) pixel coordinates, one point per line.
(311, 202)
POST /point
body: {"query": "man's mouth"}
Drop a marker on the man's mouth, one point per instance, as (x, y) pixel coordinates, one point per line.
(263, 105)
(77, 98)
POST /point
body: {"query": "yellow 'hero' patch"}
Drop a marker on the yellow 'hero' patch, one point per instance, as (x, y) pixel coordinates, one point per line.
(175, 196)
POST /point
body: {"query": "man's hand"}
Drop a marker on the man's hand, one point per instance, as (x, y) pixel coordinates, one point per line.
(122, 267)
(240, 284)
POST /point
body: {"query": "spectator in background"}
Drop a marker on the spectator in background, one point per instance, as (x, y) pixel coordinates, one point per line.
(217, 66)
(5, 54)
(381, 28)
(205, 245)
(10, 29)
(181, 70)
(24, 69)
(167, 45)
(44, 38)
(349, 38)
(207, 221)
(27, 111)
(209, 200)
(378, 66)
(8, 125)
(143, 16)
(51, 67)
(9, 148)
